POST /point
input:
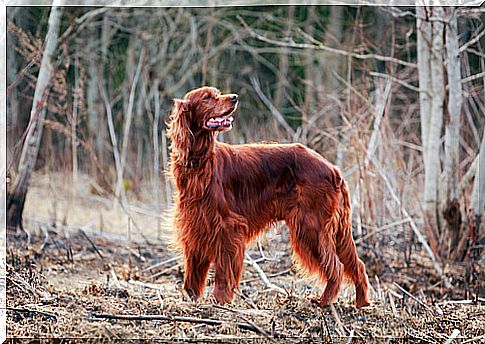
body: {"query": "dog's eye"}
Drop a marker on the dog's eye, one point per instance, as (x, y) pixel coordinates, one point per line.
(207, 97)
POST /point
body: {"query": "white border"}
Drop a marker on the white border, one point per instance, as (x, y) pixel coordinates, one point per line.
(138, 3)
(220, 3)
(3, 169)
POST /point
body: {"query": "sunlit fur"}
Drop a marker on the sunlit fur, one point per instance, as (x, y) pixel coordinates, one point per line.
(228, 194)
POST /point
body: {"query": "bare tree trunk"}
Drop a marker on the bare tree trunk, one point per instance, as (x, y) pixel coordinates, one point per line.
(30, 149)
(310, 82)
(477, 206)
(333, 37)
(156, 153)
(127, 124)
(451, 206)
(96, 124)
(282, 83)
(431, 96)
(11, 73)
(75, 108)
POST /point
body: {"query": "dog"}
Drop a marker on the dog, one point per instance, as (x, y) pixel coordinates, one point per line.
(228, 194)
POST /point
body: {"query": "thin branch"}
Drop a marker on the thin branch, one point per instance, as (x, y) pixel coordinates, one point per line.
(414, 227)
(238, 312)
(380, 108)
(150, 317)
(93, 245)
(319, 46)
(381, 229)
(114, 142)
(472, 41)
(473, 77)
(25, 310)
(129, 116)
(413, 297)
(397, 81)
(263, 276)
(79, 23)
(279, 117)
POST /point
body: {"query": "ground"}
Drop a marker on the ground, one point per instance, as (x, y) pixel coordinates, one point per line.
(61, 286)
(73, 281)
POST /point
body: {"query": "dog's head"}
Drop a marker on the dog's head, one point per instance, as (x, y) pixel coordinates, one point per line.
(207, 109)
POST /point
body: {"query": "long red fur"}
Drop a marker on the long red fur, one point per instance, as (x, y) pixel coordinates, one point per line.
(228, 194)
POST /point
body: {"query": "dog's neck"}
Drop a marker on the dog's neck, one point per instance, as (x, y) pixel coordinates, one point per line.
(194, 172)
(201, 151)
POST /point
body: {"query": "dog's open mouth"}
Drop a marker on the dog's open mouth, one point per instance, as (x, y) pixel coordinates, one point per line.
(220, 123)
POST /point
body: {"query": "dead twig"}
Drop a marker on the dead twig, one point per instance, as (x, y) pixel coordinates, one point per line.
(263, 276)
(274, 111)
(161, 263)
(235, 311)
(93, 245)
(25, 310)
(413, 297)
(340, 326)
(156, 317)
(167, 270)
(245, 299)
(415, 229)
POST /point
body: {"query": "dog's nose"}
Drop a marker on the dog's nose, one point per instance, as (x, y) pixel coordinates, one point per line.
(233, 97)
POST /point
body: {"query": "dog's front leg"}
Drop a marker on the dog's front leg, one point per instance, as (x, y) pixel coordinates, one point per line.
(228, 266)
(196, 268)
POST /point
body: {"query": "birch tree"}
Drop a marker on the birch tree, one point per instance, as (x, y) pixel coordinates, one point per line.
(30, 149)
(477, 207)
(282, 83)
(451, 206)
(431, 98)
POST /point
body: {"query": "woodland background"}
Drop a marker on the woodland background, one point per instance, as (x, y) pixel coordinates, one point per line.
(393, 96)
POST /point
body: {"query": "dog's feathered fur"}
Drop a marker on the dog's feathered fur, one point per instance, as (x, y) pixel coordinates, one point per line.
(228, 194)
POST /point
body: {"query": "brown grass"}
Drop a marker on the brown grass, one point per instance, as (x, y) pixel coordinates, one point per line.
(61, 278)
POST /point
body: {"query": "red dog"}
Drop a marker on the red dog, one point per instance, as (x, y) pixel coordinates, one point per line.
(228, 194)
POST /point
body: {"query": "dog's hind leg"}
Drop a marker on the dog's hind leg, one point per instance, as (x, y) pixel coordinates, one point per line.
(353, 266)
(314, 246)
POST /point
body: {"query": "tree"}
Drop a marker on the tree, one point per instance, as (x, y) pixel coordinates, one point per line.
(431, 97)
(451, 206)
(30, 149)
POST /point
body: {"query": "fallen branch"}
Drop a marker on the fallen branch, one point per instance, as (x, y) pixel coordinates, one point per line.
(161, 263)
(150, 317)
(263, 276)
(235, 311)
(93, 245)
(413, 297)
(25, 310)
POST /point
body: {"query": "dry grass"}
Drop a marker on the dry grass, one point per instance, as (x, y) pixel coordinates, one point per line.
(51, 294)
(62, 278)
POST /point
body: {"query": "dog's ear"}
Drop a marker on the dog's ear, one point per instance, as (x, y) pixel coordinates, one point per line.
(180, 105)
(178, 130)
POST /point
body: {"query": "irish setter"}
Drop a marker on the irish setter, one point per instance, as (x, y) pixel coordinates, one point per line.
(228, 194)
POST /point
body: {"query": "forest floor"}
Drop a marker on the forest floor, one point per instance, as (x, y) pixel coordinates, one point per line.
(66, 283)
(70, 281)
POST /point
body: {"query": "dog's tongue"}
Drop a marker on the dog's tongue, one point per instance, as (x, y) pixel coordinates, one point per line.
(215, 122)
